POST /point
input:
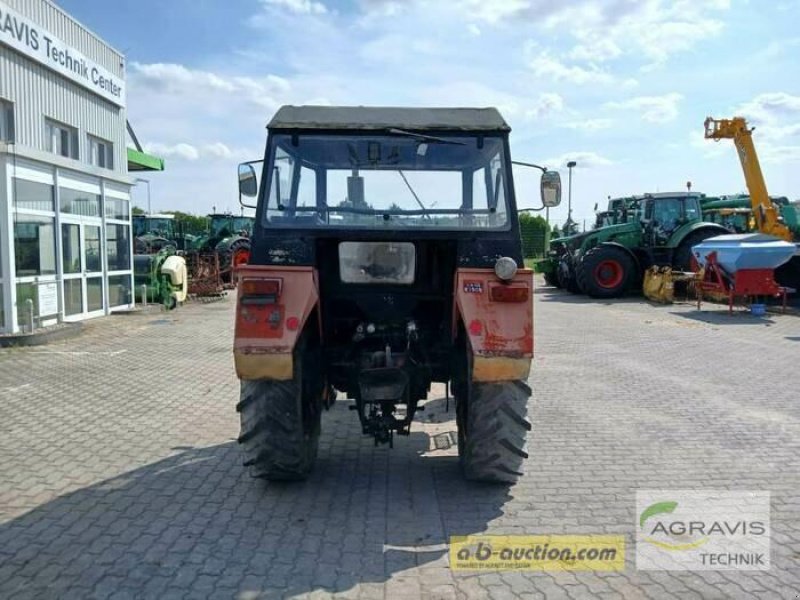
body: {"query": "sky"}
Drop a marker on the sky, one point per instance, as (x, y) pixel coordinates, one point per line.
(622, 87)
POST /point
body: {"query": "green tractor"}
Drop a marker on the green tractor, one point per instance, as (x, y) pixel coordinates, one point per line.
(229, 237)
(654, 229)
(735, 212)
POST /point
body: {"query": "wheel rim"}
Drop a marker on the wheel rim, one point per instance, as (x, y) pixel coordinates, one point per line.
(241, 257)
(608, 273)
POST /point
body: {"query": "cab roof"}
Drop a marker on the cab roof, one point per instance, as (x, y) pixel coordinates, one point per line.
(375, 118)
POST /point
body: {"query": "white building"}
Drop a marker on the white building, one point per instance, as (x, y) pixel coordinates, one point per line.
(65, 224)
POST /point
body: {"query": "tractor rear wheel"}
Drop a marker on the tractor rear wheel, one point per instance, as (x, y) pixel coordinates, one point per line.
(682, 259)
(606, 272)
(492, 430)
(280, 423)
(235, 255)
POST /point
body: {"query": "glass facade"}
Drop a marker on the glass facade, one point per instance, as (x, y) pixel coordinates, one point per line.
(71, 248)
(25, 292)
(117, 209)
(71, 244)
(118, 247)
(34, 245)
(79, 203)
(119, 290)
(32, 195)
(73, 297)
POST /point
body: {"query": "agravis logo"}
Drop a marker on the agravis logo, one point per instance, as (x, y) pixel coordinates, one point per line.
(691, 529)
(677, 538)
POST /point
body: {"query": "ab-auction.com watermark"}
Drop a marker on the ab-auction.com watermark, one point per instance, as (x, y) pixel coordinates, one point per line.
(537, 552)
(691, 530)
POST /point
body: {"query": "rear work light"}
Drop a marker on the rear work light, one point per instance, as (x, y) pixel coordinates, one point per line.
(509, 293)
(260, 291)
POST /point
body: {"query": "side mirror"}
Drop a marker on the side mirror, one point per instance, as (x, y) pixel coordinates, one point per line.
(248, 185)
(551, 189)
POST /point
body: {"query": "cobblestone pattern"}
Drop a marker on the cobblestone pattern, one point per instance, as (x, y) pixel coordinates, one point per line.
(121, 478)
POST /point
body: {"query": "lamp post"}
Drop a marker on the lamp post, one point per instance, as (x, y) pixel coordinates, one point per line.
(147, 182)
(570, 165)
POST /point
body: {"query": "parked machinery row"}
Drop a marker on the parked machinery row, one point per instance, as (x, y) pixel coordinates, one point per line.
(208, 260)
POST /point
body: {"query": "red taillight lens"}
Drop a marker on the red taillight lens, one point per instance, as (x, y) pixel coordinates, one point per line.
(509, 293)
(260, 291)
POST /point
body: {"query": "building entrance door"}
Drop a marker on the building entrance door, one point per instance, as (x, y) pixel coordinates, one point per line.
(82, 263)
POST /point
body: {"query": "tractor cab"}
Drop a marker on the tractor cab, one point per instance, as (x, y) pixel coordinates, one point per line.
(663, 214)
(224, 225)
(156, 225)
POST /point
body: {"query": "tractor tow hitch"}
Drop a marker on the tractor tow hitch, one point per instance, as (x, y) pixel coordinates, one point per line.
(381, 390)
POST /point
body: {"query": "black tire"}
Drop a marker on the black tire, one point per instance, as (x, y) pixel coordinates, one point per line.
(566, 276)
(280, 424)
(492, 430)
(682, 258)
(788, 274)
(551, 279)
(606, 272)
(226, 256)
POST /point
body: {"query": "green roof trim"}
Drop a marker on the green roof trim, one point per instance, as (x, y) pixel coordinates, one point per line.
(141, 161)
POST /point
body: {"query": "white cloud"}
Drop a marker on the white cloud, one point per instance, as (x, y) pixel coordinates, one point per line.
(547, 104)
(493, 11)
(180, 150)
(474, 29)
(776, 116)
(545, 65)
(651, 29)
(599, 50)
(653, 109)
(585, 160)
(590, 124)
(299, 6)
(175, 78)
(771, 106)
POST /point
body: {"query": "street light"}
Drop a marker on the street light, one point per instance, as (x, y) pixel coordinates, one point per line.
(570, 165)
(145, 181)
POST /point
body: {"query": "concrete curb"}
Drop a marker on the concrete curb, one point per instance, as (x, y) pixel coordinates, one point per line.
(41, 337)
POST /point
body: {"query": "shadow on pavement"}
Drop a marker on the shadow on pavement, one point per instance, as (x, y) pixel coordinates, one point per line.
(558, 295)
(196, 522)
(723, 318)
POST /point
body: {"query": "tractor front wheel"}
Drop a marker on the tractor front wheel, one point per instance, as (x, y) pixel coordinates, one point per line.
(280, 424)
(492, 430)
(606, 272)
(551, 279)
(566, 276)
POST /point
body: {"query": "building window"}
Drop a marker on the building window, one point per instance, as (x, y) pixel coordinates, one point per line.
(117, 208)
(6, 121)
(34, 245)
(32, 195)
(61, 139)
(118, 247)
(79, 203)
(119, 290)
(101, 153)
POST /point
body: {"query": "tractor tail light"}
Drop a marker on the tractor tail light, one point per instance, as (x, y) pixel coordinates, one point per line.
(508, 293)
(260, 291)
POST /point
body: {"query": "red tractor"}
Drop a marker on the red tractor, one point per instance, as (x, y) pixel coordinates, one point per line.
(386, 256)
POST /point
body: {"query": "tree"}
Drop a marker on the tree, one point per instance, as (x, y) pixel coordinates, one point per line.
(137, 211)
(556, 232)
(192, 224)
(533, 231)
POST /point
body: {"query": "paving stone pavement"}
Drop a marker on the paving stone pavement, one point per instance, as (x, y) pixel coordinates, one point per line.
(120, 476)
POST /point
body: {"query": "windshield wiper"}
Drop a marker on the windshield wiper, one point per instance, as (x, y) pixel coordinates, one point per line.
(413, 193)
(422, 136)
